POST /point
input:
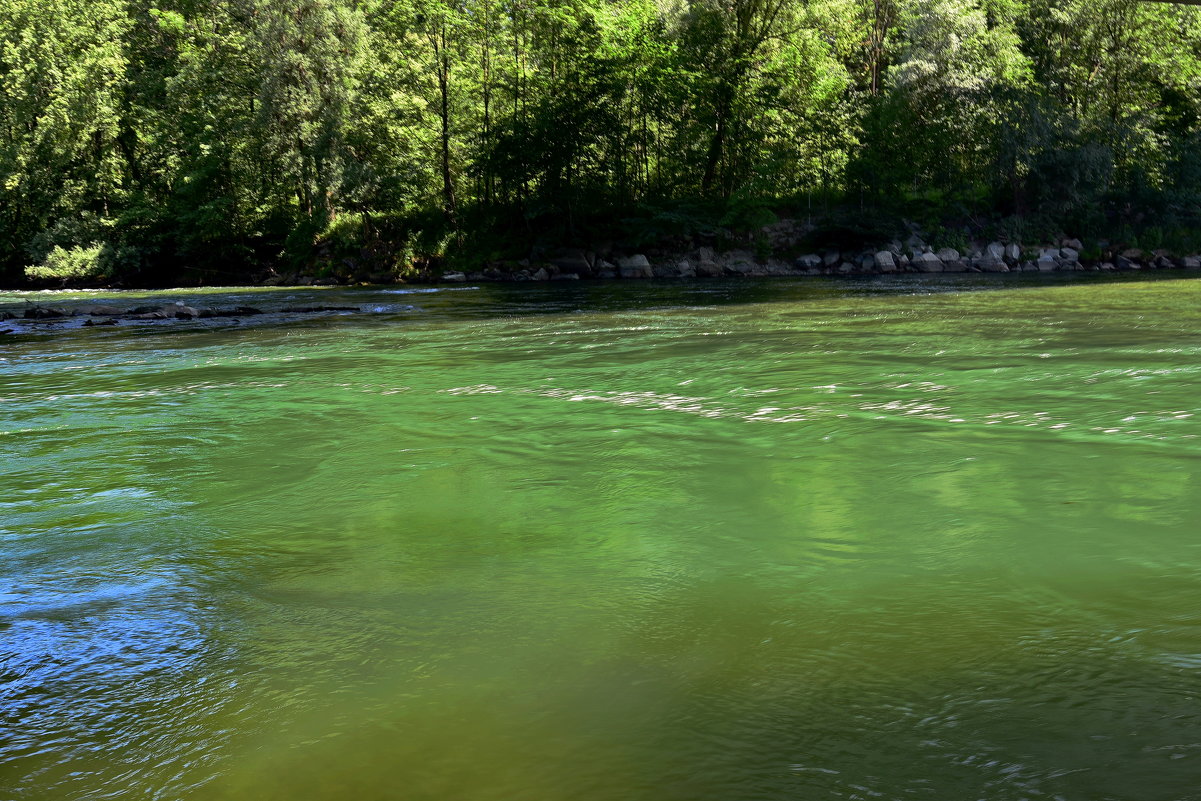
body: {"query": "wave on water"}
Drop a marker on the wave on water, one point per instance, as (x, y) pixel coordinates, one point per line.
(427, 291)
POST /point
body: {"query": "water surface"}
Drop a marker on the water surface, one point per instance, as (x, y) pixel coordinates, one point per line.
(756, 540)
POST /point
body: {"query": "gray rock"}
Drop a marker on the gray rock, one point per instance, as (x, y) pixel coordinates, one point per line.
(709, 269)
(1071, 254)
(574, 261)
(1013, 253)
(741, 262)
(1047, 263)
(831, 258)
(809, 261)
(89, 323)
(927, 263)
(884, 262)
(685, 269)
(1191, 263)
(990, 264)
(954, 266)
(186, 313)
(1125, 263)
(1073, 244)
(45, 313)
(540, 275)
(101, 311)
(1029, 267)
(637, 266)
(454, 277)
(947, 254)
(565, 277)
(995, 250)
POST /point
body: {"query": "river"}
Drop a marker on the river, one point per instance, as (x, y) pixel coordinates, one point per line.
(923, 538)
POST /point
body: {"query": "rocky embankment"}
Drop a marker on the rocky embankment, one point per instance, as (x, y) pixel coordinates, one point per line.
(913, 256)
(105, 315)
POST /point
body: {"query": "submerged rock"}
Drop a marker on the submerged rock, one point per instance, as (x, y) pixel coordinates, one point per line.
(238, 311)
(101, 311)
(45, 313)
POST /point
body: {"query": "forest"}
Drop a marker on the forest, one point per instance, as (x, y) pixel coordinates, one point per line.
(156, 140)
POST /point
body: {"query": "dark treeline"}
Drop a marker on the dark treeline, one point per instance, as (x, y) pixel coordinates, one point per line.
(142, 138)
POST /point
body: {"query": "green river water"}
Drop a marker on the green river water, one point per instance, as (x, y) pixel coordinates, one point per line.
(908, 539)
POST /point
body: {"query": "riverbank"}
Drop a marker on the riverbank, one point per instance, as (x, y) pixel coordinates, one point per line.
(787, 247)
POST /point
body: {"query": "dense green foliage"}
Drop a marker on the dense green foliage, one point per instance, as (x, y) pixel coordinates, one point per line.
(142, 137)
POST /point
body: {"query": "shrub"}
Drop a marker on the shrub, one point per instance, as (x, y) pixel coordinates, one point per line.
(91, 263)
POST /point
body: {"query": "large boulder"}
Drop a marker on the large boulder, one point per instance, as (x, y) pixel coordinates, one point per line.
(995, 250)
(810, 261)
(1070, 254)
(990, 264)
(926, 263)
(1191, 262)
(884, 262)
(1013, 253)
(741, 262)
(455, 277)
(637, 266)
(573, 261)
(947, 254)
(540, 274)
(831, 258)
(685, 269)
(954, 266)
(709, 269)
